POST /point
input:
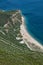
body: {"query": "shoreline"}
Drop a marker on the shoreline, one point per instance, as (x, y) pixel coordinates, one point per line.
(28, 39)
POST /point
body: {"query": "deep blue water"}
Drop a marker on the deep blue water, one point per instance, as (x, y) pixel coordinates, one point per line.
(32, 10)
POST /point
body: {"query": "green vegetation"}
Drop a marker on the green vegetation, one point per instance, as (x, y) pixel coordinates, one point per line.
(11, 51)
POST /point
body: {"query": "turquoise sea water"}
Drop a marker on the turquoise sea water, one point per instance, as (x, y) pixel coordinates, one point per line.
(33, 12)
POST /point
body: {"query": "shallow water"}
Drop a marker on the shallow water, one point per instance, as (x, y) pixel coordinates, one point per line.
(32, 10)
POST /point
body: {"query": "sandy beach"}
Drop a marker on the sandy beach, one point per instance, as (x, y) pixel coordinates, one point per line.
(29, 40)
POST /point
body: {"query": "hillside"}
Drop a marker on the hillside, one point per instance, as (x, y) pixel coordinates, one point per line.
(12, 51)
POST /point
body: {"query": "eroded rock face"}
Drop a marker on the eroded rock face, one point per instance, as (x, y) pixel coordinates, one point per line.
(10, 19)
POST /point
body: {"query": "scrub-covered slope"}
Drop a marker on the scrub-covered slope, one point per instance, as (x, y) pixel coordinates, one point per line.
(13, 50)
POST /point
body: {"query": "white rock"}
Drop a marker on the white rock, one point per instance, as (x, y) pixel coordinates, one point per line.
(22, 42)
(18, 38)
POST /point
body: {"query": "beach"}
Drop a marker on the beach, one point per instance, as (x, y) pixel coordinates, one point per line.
(31, 43)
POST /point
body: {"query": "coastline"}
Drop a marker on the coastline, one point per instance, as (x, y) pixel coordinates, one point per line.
(28, 39)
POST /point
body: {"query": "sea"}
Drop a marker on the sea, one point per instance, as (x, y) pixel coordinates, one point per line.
(32, 10)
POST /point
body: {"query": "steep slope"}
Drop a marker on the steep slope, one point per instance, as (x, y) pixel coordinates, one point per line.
(12, 52)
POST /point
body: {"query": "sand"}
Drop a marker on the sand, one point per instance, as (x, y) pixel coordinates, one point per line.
(26, 36)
